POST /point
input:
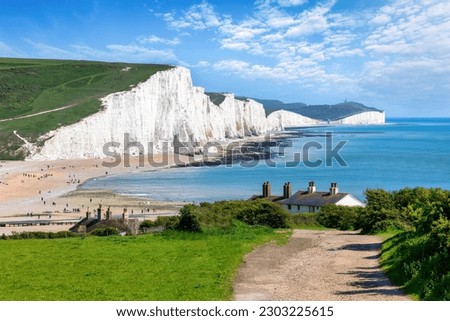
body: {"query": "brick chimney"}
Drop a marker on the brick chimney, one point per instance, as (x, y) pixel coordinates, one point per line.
(267, 189)
(287, 190)
(99, 212)
(108, 214)
(334, 189)
(311, 187)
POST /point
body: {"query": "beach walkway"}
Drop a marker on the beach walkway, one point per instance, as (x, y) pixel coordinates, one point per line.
(316, 265)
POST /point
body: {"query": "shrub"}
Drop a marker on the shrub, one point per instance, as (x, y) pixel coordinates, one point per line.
(264, 213)
(39, 235)
(339, 217)
(147, 224)
(105, 231)
(440, 235)
(188, 220)
(305, 219)
(62, 235)
(168, 222)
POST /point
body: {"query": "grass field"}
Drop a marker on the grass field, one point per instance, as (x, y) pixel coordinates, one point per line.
(30, 86)
(168, 266)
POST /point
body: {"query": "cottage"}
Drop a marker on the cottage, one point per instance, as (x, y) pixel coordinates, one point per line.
(310, 200)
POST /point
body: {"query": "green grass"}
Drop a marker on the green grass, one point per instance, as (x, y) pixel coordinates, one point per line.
(167, 266)
(413, 261)
(29, 86)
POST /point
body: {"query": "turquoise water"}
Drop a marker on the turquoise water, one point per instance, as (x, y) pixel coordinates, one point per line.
(402, 153)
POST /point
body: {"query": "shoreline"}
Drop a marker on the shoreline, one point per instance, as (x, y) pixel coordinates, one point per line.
(35, 189)
(51, 190)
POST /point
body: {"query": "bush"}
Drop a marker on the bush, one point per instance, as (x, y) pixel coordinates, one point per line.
(188, 220)
(305, 220)
(38, 235)
(61, 235)
(147, 224)
(105, 231)
(414, 261)
(265, 213)
(339, 217)
(440, 235)
(167, 222)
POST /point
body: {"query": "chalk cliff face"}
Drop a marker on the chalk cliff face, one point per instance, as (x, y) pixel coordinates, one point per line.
(155, 111)
(162, 108)
(365, 118)
(284, 118)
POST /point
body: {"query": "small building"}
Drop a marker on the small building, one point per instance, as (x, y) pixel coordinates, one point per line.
(309, 200)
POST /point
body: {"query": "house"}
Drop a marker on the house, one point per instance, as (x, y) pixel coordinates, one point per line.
(309, 200)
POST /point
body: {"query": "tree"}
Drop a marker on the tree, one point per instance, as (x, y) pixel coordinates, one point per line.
(188, 220)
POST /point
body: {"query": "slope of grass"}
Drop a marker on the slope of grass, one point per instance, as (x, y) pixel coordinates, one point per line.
(413, 261)
(168, 266)
(29, 86)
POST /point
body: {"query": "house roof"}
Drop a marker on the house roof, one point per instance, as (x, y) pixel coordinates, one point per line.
(303, 198)
(272, 198)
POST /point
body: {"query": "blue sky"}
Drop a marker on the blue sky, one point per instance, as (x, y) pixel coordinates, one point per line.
(390, 54)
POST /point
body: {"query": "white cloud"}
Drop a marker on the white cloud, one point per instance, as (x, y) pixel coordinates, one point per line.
(310, 22)
(112, 52)
(47, 51)
(380, 19)
(249, 71)
(140, 53)
(399, 47)
(411, 32)
(291, 3)
(409, 60)
(233, 45)
(7, 51)
(231, 65)
(155, 40)
(199, 17)
(202, 64)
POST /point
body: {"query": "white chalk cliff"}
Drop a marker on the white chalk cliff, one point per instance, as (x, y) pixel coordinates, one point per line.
(284, 118)
(155, 111)
(364, 118)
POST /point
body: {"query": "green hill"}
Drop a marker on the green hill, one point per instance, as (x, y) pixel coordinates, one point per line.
(32, 86)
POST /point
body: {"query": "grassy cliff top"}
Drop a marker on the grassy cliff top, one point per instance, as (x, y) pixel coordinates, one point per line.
(37, 86)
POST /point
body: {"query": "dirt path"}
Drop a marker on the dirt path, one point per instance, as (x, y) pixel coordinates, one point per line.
(37, 114)
(316, 265)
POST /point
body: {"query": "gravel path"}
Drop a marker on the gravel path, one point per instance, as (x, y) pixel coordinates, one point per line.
(316, 265)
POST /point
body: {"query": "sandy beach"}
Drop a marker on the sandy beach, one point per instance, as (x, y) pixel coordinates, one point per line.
(37, 190)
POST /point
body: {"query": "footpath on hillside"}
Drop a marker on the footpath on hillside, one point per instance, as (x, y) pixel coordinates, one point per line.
(317, 265)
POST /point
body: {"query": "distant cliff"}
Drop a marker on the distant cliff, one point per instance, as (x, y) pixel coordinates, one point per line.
(284, 119)
(329, 113)
(363, 118)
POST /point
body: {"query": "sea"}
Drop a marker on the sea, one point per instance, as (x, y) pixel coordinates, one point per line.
(404, 152)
